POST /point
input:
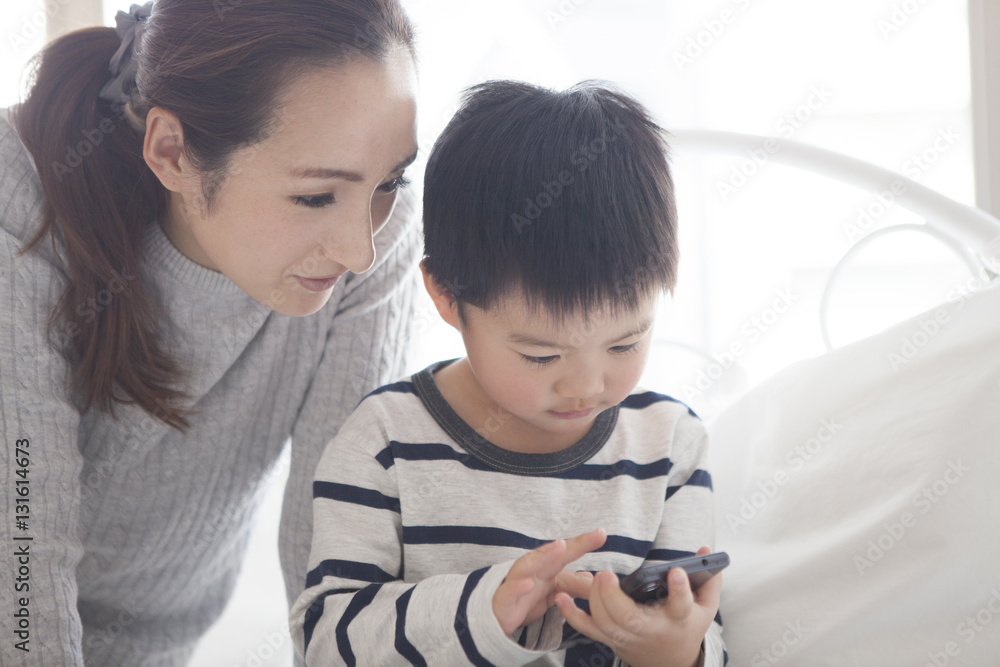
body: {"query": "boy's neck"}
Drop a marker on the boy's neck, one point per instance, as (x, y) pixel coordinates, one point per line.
(459, 387)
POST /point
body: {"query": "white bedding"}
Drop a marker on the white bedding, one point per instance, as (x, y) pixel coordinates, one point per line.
(858, 494)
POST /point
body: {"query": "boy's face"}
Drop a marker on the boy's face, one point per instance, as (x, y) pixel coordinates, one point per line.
(546, 378)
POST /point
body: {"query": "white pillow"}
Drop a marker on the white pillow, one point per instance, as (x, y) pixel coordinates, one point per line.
(858, 495)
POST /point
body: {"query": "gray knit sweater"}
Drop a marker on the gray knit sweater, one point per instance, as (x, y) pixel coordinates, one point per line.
(131, 534)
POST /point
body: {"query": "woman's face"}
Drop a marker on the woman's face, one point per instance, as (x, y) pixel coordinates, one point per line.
(299, 209)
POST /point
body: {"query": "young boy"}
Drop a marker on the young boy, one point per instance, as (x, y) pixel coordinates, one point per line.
(458, 513)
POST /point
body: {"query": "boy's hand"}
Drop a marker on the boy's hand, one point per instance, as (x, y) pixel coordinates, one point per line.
(666, 633)
(530, 587)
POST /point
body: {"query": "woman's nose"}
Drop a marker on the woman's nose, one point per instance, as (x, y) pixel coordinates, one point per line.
(352, 245)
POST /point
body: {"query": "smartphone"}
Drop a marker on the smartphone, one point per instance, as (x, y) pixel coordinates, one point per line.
(648, 584)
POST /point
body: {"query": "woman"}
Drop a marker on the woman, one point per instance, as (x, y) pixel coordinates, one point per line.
(188, 278)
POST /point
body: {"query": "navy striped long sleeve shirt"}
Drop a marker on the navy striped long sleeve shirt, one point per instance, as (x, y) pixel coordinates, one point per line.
(418, 518)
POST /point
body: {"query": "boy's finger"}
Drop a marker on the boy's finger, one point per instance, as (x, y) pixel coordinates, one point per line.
(614, 612)
(578, 618)
(553, 560)
(575, 584)
(583, 544)
(680, 598)
(509, 602)
(540, 562)
(710, 592)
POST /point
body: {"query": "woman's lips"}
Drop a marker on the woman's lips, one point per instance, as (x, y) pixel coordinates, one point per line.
(318, 284)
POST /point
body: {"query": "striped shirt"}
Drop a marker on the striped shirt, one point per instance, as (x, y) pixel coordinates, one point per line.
(418, 518)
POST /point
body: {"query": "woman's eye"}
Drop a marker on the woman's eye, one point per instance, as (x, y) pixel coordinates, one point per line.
(395, 184)
(539, 361)
(625, 349)
(315, 201)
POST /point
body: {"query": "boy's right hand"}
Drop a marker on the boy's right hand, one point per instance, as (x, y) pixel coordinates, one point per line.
(530, 587)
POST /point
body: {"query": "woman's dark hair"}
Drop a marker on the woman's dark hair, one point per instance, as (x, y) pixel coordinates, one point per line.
(220, 66)
(566, 196)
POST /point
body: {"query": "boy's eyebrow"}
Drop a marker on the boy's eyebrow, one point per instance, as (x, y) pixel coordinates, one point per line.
(353, 176)
(527, 339)
(641, 329)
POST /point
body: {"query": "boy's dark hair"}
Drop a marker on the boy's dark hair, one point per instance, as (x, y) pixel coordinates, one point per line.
(566, 196)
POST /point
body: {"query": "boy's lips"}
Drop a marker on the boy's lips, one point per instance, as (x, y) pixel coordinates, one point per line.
(573, 414)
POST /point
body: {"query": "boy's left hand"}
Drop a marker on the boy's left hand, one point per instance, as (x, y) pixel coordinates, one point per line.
(665, 634)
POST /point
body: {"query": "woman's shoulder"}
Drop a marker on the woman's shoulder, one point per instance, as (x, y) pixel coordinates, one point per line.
(21, 195)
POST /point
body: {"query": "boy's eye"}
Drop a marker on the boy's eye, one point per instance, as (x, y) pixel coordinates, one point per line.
(395, 184)
(539, 361)
(314, 201)
(625, 349)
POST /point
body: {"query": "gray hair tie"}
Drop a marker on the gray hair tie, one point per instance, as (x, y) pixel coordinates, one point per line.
(122, 66)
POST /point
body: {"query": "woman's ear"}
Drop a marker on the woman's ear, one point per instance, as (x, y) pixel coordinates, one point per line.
(163, 150)
(444, 300)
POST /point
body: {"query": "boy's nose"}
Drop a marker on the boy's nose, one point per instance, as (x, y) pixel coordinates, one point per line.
(580, 384)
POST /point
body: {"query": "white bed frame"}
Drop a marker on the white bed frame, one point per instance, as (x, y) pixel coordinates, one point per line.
(969, 232)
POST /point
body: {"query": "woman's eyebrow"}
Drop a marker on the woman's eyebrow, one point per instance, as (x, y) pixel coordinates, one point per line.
(408, 161)
(352, 176)
(326, 173)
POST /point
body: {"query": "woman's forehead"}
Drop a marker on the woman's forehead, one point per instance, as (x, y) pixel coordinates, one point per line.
(353, 117)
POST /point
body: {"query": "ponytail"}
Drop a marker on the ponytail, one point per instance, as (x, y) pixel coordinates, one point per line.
(100, 195)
